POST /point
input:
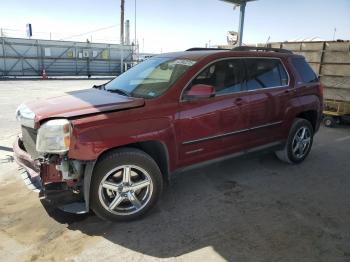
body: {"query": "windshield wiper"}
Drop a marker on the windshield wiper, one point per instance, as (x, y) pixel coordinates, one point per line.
(119, 91)
(101, 87)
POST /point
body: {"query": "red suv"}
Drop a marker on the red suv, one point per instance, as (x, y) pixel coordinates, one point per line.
(111, 148)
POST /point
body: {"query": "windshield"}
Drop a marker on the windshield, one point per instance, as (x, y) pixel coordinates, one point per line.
(150, 78)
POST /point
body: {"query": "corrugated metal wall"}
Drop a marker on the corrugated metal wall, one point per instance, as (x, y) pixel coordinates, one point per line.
(29, 57)
(330, 60)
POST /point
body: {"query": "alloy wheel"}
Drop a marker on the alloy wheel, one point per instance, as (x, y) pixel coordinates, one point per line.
(301, 142)
(125, 190)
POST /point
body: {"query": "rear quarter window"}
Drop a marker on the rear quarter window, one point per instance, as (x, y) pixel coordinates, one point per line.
(305, 72)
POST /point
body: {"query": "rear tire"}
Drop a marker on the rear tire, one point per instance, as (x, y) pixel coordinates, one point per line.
(126, 183)
(299, 142)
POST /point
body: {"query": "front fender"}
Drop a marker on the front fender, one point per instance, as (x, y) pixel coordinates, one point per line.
(91, 139)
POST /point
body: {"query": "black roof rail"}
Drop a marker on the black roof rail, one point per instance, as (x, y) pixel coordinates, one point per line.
(257, 48)
(205, 49)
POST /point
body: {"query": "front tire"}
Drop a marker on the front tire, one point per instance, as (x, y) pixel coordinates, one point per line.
(299, 142)
(126, 183)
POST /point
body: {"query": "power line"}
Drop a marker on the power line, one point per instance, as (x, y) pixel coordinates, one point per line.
(93, 31)
(60, 33)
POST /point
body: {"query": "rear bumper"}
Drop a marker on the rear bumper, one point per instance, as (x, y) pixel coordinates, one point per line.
(318, 122)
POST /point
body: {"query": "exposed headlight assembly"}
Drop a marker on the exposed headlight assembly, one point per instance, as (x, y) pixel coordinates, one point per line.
(54, 137)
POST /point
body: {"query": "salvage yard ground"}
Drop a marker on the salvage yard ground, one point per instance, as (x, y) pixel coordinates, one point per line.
(252, 208)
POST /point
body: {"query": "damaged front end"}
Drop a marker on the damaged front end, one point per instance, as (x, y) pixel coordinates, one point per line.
(42, 152)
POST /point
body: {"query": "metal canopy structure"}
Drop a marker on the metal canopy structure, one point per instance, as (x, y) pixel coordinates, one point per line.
(242, 4)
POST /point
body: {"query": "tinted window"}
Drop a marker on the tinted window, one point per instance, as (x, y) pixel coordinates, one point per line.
(265, 73)
(225, 76)
(304, 70)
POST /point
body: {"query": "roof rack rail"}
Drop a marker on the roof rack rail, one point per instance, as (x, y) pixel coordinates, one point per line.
(205, 49)
(257, 48)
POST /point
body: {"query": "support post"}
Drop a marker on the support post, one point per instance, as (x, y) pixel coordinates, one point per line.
(109, 59)
(37, 55)
(241, 22)
(76, 59)
(322, 58)
(4, 55)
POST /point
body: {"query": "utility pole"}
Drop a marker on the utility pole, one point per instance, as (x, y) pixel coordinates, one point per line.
(136, 47)
(122, 4)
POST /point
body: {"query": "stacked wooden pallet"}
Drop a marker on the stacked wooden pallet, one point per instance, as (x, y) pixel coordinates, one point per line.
(330, 60)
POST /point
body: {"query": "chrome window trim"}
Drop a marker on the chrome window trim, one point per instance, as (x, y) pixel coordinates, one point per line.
(243, 91)
(230, 133)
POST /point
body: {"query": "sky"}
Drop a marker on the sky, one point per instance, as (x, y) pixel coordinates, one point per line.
(165, 25)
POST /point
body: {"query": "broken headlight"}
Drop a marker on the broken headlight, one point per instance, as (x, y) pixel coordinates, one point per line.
(54, 137)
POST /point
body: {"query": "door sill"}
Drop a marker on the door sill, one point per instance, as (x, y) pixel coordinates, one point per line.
(268, 147)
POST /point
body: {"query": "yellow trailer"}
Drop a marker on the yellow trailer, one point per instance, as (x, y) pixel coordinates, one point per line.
(335, 111)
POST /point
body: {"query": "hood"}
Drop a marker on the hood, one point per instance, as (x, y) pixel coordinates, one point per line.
(82, 102)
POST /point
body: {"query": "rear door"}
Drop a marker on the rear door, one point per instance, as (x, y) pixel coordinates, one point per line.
(268, 83)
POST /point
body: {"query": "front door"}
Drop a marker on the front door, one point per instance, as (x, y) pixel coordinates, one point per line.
(212, 127)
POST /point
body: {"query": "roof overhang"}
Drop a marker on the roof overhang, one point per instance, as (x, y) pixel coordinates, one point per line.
(237, 2)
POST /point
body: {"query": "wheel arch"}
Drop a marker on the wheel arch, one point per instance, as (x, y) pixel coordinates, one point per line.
(156, 149)
(311, 116)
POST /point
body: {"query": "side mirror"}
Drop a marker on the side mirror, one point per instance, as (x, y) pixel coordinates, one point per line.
(200, 91)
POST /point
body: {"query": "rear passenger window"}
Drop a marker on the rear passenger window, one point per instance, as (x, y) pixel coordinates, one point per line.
(265, 73)
(304, 70)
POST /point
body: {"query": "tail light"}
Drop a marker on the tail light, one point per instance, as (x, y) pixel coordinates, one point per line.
(320, 89)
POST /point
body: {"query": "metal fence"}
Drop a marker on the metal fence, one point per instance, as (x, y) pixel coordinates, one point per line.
(29, 57)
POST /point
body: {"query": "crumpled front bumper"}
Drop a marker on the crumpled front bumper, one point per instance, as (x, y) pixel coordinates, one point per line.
(32, 177)
(35, 176)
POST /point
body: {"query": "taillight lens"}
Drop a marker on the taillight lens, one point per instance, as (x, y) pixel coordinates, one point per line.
(320, 89)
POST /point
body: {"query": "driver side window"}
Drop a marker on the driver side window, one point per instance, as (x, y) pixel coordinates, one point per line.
(225, 76)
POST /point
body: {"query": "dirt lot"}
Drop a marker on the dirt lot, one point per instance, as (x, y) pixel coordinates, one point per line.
(248, 209)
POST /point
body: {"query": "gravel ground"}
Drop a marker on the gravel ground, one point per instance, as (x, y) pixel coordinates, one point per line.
(252, 208)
